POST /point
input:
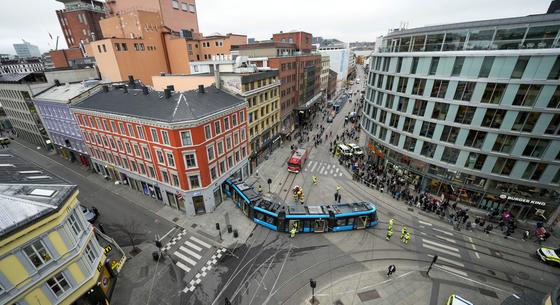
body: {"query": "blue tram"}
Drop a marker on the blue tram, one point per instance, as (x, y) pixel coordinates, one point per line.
(281, 217)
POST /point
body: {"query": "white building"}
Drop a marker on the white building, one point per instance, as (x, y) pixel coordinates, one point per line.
(26, 50)
(341, 59)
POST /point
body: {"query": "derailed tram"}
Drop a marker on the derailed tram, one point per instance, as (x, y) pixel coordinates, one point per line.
(282, 217)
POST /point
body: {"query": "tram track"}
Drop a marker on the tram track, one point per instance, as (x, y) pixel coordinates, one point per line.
(290, 177)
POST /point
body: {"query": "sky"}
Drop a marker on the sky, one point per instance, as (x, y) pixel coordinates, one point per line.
(349, 20)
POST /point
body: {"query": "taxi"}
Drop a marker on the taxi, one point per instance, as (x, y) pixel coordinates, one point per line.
(457, 300)
(549, 255)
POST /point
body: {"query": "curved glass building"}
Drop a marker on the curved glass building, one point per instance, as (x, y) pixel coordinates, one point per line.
(472, 111)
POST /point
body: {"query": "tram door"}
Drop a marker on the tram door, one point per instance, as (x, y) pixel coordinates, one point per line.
(295, 223)
(362, 222)
(245, 207)
(320, 225)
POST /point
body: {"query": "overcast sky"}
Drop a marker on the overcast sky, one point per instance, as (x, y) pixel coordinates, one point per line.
(348, 20)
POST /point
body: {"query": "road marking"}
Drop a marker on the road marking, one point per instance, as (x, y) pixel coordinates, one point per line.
(190, 252)
(331, 172)
(441, 250)
(440, 245)
(182, 266)
(449, 261)
(321, 170)
(314, 165)
(453, 270)
(337, 170)
(445, 238)
(183, 257)
(200, 242)
(442, 231)
(425, 223)
(423, 233)
(422, 227)
(197, 248)
(474, 248)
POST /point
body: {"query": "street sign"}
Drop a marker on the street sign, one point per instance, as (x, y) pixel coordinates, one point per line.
(108, 249)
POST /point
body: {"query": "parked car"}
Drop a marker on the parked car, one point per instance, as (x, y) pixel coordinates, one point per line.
(4, 140)
(457, 300)
(356, 149)
(89, 214)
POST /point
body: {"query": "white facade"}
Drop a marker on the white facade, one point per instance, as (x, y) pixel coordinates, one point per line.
(339, 60)
(26, 50)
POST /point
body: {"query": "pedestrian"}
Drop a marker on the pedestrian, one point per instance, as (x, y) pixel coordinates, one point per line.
(336, 196)
(314, 179)
(406, 238)
(389, 234)
(339, 198)
(526, 235)
(259, 189)
(403, 232)
(293, 231)
(301, 199)
(392, 269)
(101, 228)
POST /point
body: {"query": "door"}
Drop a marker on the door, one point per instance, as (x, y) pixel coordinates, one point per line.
(171, 199)
(362, 222)
(319, 225)
(198, 203)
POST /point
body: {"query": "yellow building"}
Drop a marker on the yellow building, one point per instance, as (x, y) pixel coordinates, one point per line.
(48, 251)
(325, 66)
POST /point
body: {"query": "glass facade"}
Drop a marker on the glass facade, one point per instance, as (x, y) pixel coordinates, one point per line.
(475, 126)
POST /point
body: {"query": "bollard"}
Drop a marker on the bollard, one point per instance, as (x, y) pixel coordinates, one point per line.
(155, 256)
(229, 228)
(235, 233)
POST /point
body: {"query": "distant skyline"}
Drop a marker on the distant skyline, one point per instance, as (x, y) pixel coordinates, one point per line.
(349, 21)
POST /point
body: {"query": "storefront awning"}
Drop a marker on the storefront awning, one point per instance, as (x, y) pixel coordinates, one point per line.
(310, 103)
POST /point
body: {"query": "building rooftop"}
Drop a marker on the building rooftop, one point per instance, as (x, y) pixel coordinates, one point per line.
(69, 92)
(264, 45)
(22, 77)
(27, 192)
(181, 106)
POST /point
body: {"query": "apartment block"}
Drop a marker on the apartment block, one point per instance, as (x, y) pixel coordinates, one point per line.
(79, 21)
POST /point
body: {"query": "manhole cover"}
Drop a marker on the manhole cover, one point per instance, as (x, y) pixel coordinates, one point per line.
(491, 272)
(175, 219)
(522, 275)
(368, 295)
(488, 293)
(194, 225)
(482, 278)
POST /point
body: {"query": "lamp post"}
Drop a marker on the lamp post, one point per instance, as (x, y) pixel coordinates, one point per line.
(313, 284)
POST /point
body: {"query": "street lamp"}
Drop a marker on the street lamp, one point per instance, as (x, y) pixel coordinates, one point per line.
(313, 284)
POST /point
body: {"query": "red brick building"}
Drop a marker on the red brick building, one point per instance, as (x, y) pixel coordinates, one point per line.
(177, 147)
(302, 40)
(63, 58)
(79, 21)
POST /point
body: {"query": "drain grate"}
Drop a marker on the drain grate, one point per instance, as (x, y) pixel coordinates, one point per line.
(488, 293)
(368, 295)
(194, 225)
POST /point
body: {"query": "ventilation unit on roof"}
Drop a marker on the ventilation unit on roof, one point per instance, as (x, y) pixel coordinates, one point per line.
(42, 192)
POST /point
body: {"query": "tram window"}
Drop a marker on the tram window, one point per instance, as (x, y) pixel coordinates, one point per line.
(269, 219)
(306, 223)
(259, 216)
(341, 222)
(350, 221)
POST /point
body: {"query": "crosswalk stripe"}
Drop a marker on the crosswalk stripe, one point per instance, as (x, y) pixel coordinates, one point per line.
(197, 248)
(425, 223)
(322, 169)
(314, 165)
(328, 167)
(183, 257)
(190, 252)
(453, 270)
(340, 175)
(200, 242)
(182, 266)
(445, 238)
(441, 250)
(442, 231)
(447, 260)
(337, 170)
(440, 245)
(331, 171)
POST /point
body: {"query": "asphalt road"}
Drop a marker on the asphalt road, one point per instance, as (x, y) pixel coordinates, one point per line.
(121, 217)
(272, 268)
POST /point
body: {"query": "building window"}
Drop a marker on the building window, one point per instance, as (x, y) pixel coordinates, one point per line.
(464, 91)
(527, 95)
(534, 171)
(433, 65)
(160, 158)
(475, 138)
(402, 106)
(210, 152)
(154, 133)
(395, 137)
(130, 130)
(503, 166)
(90, 253)
(399, 64)
(418, 88)
(536, 147)
(493, 93)
(184, 6)
(175, 179)
(449, 134)
(409, 124)
(555, 71)
(170, 159)
(218, 127)
(213, 173)
(525, 121)
(458, 65)
(222, 167)
(450, 155)
(190, 160)
(440, 88)
(234, 119)
(192, 8)
(419, 108)
(58, 284)
(37, 253)
(186, 139)
(402, 84)
(121, 127)
(140, 132)
(194, 181)
(146, 153)
(414, 65)
(504, 143)
(440, 111)
(493, 118)
(410, 144)
(555, 99)
(428, 149)
(207, 132)
(165, 137)
(427, 129)
(520, 66)
(220, 148)
(486, 66)
(175, 4)
(75, 224)
(165, 175)
(553, 125)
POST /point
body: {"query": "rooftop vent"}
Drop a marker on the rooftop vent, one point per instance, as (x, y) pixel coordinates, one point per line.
(42, 192)
(200, 88)
(171, 87)
(105, 88)
(57, 82)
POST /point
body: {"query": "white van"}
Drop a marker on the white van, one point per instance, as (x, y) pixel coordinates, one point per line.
(356, 149)
(344, 150)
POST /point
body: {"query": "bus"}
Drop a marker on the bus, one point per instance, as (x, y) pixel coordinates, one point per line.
(297, 160)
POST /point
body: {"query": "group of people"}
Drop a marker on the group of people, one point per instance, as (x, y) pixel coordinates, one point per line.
(405, 234)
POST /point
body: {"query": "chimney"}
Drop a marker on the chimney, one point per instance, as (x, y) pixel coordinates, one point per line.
(217, 76)
(145, 90)
(200, 88)
(57, 82)
(171, 88)
(166, 93)
(105, 88)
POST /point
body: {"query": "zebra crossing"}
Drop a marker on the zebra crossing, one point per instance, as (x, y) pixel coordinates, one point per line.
(442, 244)
(323, 168)
(189, 252)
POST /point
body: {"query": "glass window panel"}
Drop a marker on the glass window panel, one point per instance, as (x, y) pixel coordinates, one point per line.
(409, 143)
(433, 66)
(540, 37)
(465, 114)
(434, 41)
(458, 65)
(504, 143)
(555, 99)
(419, 43)
(455, 41)
(414, 65)
(486, 66)
(428, 149)
(405, 44)
(555, 71)
(520, 66)
(509, 38)
(480, 39)
(450, 155)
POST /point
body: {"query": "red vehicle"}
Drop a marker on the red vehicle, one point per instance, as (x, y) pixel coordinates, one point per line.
(297, 160)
